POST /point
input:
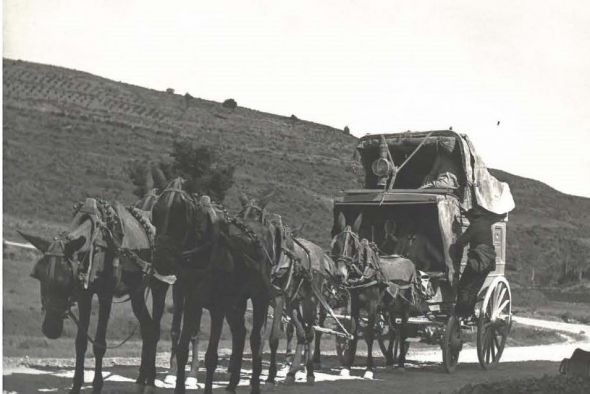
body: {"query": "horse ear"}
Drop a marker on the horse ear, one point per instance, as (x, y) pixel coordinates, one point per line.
(340, 222)
(244, 200)
(38, 242)
(357, 223)
(265, 199)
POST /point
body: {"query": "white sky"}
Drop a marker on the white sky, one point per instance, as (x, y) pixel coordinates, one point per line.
(374, 66)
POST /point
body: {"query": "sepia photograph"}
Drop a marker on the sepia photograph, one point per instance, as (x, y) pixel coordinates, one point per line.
(295, 197)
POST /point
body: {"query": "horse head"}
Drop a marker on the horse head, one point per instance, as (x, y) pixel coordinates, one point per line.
(345, 246)
(147, 202)
(172, 216)
(254, 209)
(58, 270)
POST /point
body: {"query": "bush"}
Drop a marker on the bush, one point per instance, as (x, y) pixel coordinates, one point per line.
(230, 103)
(530, 299)
(346, 130)
(293, 117)
(170, 91)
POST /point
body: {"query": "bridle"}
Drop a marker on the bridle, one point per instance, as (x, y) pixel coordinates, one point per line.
(352, 260)
(251, 206)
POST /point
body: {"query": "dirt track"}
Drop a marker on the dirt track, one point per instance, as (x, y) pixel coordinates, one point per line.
(423, 375)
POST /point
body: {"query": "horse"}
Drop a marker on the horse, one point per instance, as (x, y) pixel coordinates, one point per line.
(221, 262)
(96, 256)
(301, 277)
(146, 203)
(371, 289)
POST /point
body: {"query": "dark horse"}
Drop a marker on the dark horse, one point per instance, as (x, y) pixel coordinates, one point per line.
(221, 262)
(146, 203)
(372, 289)
(92, 258)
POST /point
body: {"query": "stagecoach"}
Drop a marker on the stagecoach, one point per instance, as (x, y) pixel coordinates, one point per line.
(418, 188)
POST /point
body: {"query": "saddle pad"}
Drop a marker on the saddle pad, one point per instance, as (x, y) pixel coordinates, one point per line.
(398, 269)
(134, 235)
(320, 261)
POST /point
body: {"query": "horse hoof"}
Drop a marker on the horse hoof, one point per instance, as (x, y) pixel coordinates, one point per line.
(255, 390)
(170, 379)
(345, 372)
(191, 383)
(310, 379)
(368, 375)
(138, 388)
(149, 390)
(289, 379)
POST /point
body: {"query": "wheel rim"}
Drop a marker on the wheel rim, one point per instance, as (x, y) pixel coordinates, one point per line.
(494, 325)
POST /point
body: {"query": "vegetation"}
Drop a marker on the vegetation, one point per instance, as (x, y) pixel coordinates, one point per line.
(230, 103)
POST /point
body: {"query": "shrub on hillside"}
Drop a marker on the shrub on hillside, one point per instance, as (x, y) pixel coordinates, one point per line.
(346, 130)
(530, 299)
(230, 103)
(203, 168)
(170, 91)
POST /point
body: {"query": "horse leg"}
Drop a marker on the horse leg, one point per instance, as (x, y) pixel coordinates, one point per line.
(159, 290)
(84, 306)
(354, 326)
(145, 325)
(195, 346)
(389, 356)
(237, 324)
(289, 331)
(370, 337)
(403, 346)
(99, 347)
(296, 321)
(178, 306)
(273, 340)
(310, 307)
(259, 317)
(211, 357)
(318, 337)
(188, 327)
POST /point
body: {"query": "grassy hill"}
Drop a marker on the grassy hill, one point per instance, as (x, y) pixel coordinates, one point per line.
(68, 134)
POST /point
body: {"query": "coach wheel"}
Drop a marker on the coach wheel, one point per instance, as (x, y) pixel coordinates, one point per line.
(346, 348)
(451, 344)
(495, 321)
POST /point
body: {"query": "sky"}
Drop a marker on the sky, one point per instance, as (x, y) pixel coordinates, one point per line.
(376, 66)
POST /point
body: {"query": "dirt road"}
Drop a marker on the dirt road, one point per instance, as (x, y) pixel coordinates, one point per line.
(423, 374)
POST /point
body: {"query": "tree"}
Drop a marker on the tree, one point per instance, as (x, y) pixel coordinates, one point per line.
(201, 166)
(230, 103)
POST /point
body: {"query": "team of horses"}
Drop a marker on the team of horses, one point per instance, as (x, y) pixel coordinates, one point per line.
(218, 261)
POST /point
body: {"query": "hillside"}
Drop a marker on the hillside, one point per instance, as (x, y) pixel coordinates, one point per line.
(69, 134)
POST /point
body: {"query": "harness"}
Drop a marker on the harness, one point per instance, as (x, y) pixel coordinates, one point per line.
(105, 227)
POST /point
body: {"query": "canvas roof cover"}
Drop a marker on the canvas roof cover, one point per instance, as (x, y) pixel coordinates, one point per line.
(476, 183)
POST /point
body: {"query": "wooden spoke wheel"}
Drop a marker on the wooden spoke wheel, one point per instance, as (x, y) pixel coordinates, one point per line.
(451, 344)
(346, 348)
(495, 320)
